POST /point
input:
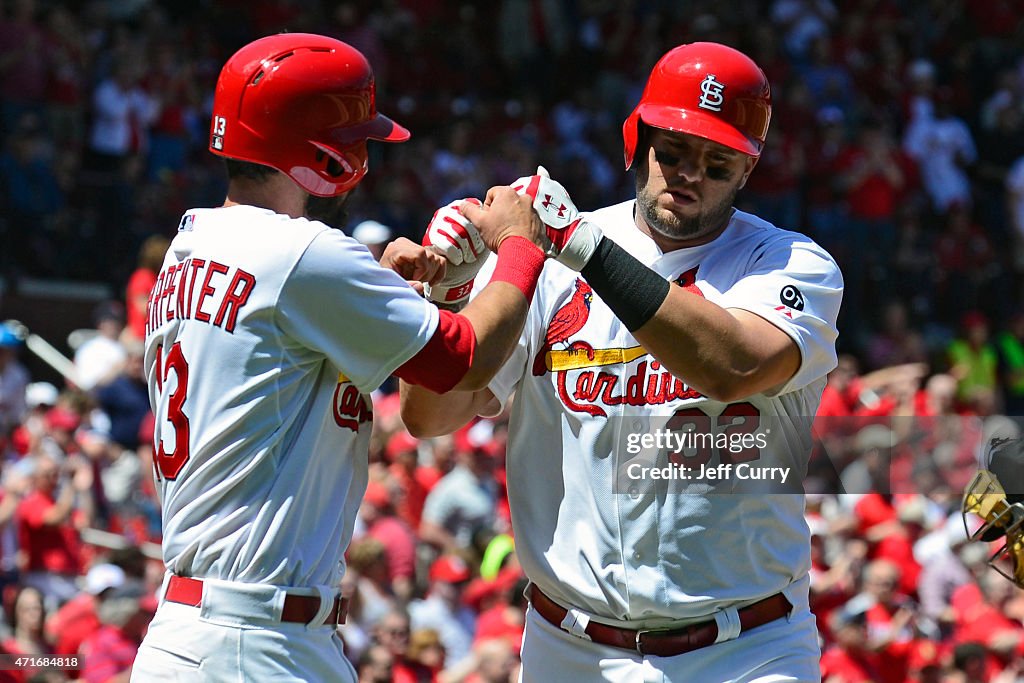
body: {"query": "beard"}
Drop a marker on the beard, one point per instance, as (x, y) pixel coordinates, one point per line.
(676, 227)
(330, 211)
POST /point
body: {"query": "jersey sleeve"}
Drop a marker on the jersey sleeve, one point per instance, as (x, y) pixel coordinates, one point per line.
(795, 285)
(366, 319)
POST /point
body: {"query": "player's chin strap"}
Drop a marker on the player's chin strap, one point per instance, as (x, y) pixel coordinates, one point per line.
(985, 497)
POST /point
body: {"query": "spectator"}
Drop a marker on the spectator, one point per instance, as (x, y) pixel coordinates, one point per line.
(850, 660)
(47, 530)
(896, 342)
(945, 572)
(110, 652)
(22, 63)
(376, 666)
(943, 148)
(393, 632)
(973, 359)
(427, 650)
(76, 619)
(125, 399)
(122, 114)
(25, 617)
(442, 609)
(151, 257)
(394, 535)
(463, 501)
(496, 660)
(1015, 202)
(891, 619)
(413, 481)
(967, 268)
(1010, 349)
(873, 176)
(367, 561)
(14, 380)
(506, 618)
(100, 358)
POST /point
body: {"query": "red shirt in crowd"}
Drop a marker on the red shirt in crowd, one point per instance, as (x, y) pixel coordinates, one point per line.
(849, 667)
(107, 653)
(75, 621)
(52, 548)
(399, 546)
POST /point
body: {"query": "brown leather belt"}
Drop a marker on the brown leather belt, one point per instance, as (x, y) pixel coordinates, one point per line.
(299, 609)
(664, 642)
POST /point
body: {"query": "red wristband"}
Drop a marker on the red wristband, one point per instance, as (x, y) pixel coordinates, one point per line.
(519, 263)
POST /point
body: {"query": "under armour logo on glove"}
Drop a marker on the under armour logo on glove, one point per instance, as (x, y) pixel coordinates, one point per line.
(547, 205)
(573, 239)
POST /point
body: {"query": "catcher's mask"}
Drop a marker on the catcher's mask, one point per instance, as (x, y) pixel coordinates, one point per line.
(304, 104)
(996, 495)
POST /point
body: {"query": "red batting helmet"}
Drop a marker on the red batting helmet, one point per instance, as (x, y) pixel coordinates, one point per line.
(295, 102)
(705, 89)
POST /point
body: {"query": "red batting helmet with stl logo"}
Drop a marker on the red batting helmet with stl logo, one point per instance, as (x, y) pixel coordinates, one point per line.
(708, 90)
(303, 104)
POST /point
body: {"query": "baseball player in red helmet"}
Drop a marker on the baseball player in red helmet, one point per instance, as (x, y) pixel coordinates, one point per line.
(267, 329)
(657, 443)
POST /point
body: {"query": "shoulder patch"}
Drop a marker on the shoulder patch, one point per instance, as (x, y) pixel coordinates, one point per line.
(792, 297)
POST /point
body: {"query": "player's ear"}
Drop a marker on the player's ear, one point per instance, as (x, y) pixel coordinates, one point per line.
(748, 168)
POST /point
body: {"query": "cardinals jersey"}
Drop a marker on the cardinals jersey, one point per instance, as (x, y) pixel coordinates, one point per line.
(265, 334)
(593, 531)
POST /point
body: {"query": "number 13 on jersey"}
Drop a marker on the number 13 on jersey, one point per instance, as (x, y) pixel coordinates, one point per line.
(168, 465)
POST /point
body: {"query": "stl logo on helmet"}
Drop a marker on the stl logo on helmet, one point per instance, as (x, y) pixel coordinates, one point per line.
(712, 93)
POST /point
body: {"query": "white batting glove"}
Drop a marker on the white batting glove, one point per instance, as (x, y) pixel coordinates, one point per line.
(573, 240)
(450, 233)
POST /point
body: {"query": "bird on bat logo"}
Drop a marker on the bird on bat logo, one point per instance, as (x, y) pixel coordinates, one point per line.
(567, 321)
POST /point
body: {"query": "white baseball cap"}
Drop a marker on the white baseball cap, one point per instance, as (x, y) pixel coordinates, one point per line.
(371, 232)
(103, 576)
(40, 394)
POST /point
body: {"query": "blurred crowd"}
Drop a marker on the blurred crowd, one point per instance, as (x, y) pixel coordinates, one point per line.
(897, 142)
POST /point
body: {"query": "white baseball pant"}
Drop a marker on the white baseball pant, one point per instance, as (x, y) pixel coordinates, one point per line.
(234, 636)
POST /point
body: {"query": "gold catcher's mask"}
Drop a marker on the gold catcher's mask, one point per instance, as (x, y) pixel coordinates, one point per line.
(996, 495)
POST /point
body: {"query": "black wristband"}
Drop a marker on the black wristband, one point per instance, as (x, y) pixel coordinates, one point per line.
(633, 291)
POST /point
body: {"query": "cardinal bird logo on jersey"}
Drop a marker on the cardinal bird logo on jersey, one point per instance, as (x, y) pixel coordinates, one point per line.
(688, 281)
(567, 321)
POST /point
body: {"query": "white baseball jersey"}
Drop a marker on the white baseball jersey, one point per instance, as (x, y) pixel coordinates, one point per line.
(591, 533)
(265, 335)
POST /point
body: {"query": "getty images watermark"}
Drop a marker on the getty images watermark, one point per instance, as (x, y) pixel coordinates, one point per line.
(743, 452)
(731, 448)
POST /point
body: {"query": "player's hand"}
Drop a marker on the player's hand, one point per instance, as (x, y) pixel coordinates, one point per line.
(413, 261)
(573, 240)
(453, 235)
(505, 214)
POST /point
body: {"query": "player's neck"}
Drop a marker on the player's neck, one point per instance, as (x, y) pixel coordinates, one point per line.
(667, 244)
(277, 193)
